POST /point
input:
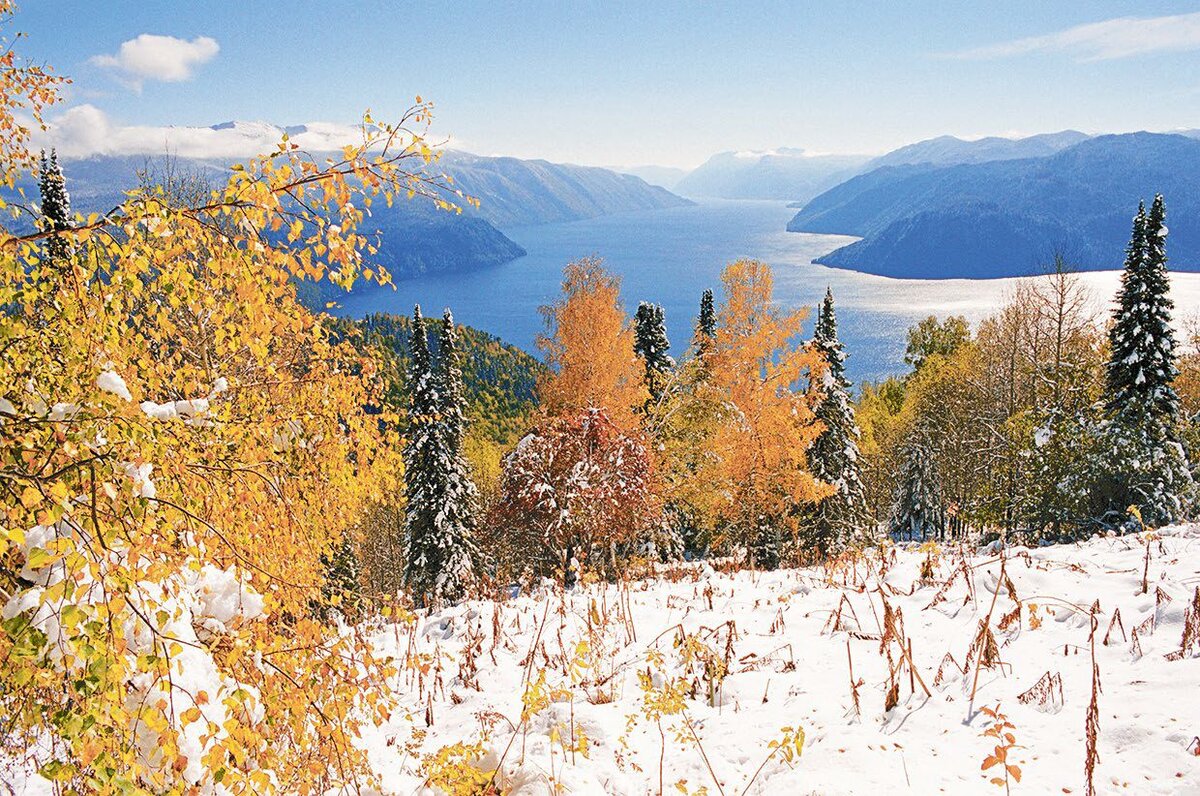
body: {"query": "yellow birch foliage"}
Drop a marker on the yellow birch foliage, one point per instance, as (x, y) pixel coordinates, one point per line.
(180, 444)
(760, 365)
(590, 348)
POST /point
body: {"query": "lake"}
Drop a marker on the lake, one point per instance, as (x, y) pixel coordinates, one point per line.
(671, 256)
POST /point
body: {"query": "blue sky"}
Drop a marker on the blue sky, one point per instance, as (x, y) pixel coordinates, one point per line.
(614, 83)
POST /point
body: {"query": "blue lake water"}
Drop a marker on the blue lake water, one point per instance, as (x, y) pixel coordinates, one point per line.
(671, 256)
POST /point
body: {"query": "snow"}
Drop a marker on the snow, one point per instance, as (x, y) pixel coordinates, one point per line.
(110, 381)
(788, 667)
(139, 474)
(192, 606)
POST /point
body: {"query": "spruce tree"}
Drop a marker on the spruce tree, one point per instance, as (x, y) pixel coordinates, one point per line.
(421, 459)
(1144, 464)
(833, 456)
(919, 508)
(56, 208)
(651, 344)
(455, 521)
(706, 324)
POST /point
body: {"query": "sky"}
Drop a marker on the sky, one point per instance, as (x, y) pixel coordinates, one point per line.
(621, 84)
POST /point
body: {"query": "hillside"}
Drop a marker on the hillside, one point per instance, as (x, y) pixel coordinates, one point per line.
(788, 174)
(732, 661)
(515, 192)
(665, 176)
(501, 379)
(1008, 217)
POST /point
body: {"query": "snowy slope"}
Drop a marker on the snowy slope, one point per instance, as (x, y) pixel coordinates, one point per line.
(788, 667)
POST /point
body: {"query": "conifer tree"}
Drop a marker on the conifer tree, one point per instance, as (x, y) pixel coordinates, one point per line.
(706, 324)
(421, 460)
(833, 457)
(919, 509)
(56, 207)
(455, 520)
(1144, 464)
(651, 344)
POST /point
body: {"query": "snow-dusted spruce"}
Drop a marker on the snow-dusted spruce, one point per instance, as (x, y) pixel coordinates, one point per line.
(441, 497)
(56, 207)
(833, 457)
(706, 324)
(455, 522)
(651, 344)
(919, 510)
(1143, 462)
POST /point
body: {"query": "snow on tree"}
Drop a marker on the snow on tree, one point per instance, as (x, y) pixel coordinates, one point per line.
(440, 514)
(456, 517)
(575, 487)
(651, 344)
(56, 207)
(706, 324)
(420, 462)
(1144, 463)
(919, 509)
(834, 456)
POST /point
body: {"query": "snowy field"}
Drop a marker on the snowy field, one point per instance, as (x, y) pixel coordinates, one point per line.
(688, 679)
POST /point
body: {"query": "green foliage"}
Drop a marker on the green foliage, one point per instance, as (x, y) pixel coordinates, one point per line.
(929, 338)
(500, 380)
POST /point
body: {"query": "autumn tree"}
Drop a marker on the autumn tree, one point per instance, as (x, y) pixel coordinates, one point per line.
(761, 369)
(574, 487)
(179, 474)
(929, 338)
(589, 348)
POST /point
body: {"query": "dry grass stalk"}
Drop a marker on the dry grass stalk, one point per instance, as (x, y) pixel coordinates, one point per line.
(1092, 723)
(1046, 695)
(1115, 622)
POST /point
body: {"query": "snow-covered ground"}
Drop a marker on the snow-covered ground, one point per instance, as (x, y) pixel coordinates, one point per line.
(611, 656)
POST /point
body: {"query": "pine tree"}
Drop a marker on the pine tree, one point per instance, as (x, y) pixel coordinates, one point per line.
(919, 509)
(833, 457)
(56, 208)
(1144, 464)
(706, 324)
(651, 344)
(455, 521)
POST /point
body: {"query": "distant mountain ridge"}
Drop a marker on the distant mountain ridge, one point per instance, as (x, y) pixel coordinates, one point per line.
(788, 174)
(516, 193)
(1007, 217)
(415, 238)
(947, 150)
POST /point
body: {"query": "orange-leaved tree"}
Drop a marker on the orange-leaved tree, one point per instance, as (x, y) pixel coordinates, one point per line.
(589, 347)
(761, 366)
(182, 446)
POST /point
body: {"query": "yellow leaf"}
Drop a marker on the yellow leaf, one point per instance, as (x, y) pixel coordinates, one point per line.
(30, 497)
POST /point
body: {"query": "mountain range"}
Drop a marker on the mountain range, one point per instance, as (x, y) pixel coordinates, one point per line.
(786, 173)
(960, 216)
(415, 238)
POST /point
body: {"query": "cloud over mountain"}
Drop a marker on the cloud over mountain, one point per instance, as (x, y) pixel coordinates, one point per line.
(162, 58)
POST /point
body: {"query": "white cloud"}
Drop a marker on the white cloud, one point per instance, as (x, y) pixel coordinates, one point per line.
(1102, 41)
(86, 130)
(153, 57)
